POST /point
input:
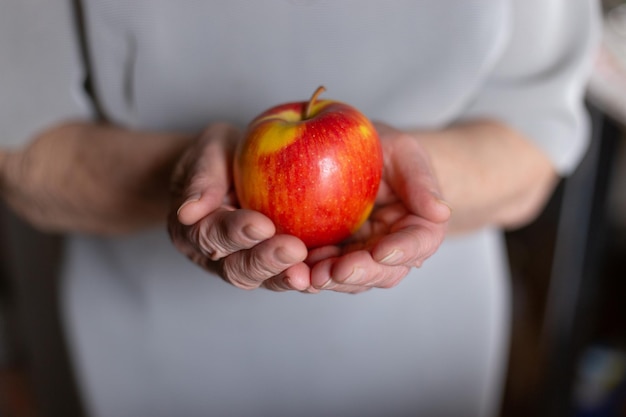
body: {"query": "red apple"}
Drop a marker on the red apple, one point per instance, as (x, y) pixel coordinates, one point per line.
(312, 167)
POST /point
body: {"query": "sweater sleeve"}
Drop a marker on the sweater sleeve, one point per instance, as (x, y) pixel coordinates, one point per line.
(42, 70)
(538, 85)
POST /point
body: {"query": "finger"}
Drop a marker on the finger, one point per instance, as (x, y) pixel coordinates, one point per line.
(318, 254)
(354, 273)
(192, 252)
(409, 175)
(360, 269)
(321, 279)
(421, 196)
(250, 268)
(430, 205)
(410, 242)
(295, 278)
(208, 178)
(226, 231)
(377, 225)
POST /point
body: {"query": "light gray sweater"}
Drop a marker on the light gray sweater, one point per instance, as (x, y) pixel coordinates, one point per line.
(153, 335)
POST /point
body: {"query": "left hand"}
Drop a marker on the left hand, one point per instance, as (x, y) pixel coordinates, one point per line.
(206, 225)
(407, 225)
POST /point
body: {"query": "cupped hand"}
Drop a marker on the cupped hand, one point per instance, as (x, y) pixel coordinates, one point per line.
(407, 225)
(205, 224)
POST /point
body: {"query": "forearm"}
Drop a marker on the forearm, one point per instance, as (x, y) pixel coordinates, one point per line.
(489, 174)
(92, 178)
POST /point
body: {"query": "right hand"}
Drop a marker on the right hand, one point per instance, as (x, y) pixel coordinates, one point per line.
(206, 225)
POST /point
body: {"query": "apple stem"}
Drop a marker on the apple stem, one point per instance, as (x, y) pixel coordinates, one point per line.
(309, 105)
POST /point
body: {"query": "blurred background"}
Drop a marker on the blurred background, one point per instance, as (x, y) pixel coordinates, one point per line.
(568, 347)
(568, 350)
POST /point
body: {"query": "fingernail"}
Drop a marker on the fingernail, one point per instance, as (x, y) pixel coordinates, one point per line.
(355, 277)
(393, 257)
(254, 233)
(445, 203)
(284, 256)
(326, 284)
(440, 199)
(192, 199)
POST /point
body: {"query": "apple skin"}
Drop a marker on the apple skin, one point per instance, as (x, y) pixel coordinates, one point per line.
(313, 168)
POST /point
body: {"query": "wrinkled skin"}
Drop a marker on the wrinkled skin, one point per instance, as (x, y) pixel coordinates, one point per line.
(406, 226)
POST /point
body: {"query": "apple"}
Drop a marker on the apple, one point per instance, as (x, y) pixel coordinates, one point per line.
(313, 168)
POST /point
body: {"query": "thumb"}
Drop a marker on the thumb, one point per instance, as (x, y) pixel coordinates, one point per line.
(410, 176)
(422, 195)
(207, 173)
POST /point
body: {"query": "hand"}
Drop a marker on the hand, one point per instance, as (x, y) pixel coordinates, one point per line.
(406, 226)
(239, 245)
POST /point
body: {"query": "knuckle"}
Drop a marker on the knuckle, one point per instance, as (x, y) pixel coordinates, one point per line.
(247, 271)
(222, 235)
(256, 266)
(274, 285)
(235, 278)
(394, 279)
(214, 240)
(212, 244)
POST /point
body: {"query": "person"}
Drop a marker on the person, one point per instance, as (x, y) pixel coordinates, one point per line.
(124, 121)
